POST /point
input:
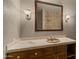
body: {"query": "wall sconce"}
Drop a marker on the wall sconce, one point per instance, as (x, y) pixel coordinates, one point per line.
(27, 14)
(67, 18)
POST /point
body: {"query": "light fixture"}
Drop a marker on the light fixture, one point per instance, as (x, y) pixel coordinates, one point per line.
(27, 14)
(67, 18)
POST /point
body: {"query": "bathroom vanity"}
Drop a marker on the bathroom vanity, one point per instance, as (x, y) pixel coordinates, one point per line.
(41, 49)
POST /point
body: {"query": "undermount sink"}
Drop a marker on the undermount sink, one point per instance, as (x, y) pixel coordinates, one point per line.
(53, 40)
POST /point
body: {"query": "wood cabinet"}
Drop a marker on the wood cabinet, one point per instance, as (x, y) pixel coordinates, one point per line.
(53, 52)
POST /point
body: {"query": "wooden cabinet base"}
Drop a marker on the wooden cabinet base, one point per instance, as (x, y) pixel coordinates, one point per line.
(54, 52)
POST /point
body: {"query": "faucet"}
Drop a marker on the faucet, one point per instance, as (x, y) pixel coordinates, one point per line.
(52, 36)
(52, 39)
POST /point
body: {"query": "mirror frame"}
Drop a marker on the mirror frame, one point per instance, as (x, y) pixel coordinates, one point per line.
(52, 5)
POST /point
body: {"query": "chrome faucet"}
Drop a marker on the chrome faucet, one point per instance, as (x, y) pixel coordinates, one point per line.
(52, 38)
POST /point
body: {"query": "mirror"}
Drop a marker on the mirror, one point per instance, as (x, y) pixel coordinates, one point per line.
(48, 16)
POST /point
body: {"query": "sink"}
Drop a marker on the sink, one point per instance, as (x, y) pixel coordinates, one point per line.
(53, 40)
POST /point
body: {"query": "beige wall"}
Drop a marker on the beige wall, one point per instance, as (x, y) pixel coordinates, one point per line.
(11, 19)
(28, 27)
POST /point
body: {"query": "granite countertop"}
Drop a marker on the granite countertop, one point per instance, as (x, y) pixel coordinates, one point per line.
(21, 45)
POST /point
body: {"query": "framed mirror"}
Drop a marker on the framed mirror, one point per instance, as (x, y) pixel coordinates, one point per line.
(48, 16)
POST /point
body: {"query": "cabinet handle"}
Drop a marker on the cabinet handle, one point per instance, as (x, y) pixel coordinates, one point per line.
(18, 57)
(36, 53)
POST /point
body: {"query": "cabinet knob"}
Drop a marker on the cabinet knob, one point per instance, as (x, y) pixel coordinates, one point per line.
(18, 57)
(36, 53)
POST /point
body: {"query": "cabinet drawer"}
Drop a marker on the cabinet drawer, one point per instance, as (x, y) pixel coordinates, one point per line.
(17, 55)
(61, 56)
(61, 49)
(50, 50)
(35, 53)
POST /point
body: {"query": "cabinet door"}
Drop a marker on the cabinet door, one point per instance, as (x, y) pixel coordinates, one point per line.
(61, 56)
(54, 57)
(50, 57)
(41, 57)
